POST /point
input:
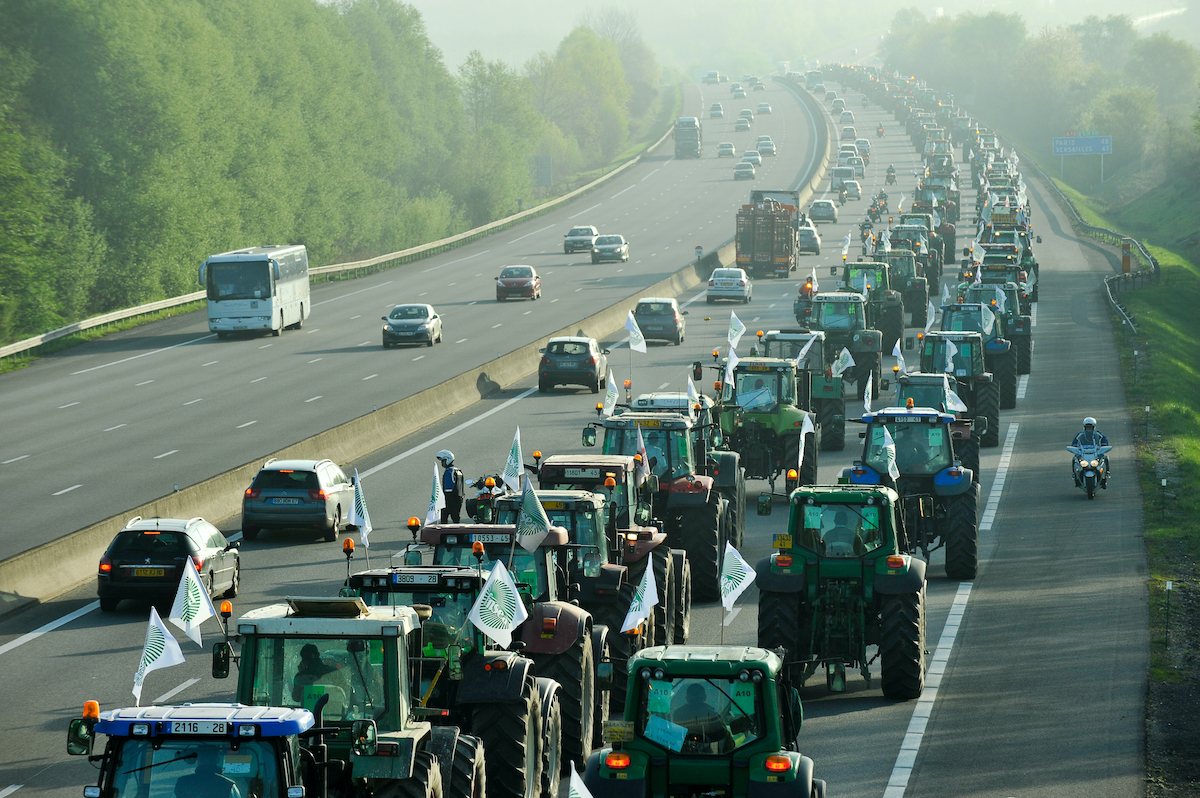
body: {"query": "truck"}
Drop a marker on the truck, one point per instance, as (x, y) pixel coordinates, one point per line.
(689, 137)
(766, 239)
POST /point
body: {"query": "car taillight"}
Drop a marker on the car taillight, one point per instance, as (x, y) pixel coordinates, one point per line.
(105, 565)
(677, 317)
(198, 561)
(318, 494)
(253, 493)
(741, 282)
(616, 760)
(778, 763)
(545, 359)
(712, 282)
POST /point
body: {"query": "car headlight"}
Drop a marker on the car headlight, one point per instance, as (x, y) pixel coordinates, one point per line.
(529, 284)
(596, 249)
(499, 284)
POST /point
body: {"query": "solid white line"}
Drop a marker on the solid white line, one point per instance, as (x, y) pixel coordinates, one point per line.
(733, 613)
(581, 213)
(64, 407)
(140, 384)
(15, 459)
(370, 377)
(66, 490)
(49, 627)
(165, 454)
(622, 191)
(185, 404)
(911, 743)
(993, 502)
(10, 789)
(315, 398)
(110, 429)
(247, 424)
(167, 696)
(700, 295)
(144, 354)
(1033, 315)
(437, 439)
(451, 263)
(352, 293)
(1022, 386)
(527, 235)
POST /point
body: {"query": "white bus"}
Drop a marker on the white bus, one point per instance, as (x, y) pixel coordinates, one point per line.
(260, 288)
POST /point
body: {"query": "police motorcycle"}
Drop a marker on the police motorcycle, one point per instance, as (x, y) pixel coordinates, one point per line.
(1090, 465)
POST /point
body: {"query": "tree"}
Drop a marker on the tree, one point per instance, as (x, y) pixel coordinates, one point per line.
(1166, 66)
(1106, 41)
(1129, 116)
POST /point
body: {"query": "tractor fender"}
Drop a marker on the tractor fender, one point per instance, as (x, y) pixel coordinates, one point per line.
(946, 484)
(896, 581)
(599, 641)
(1023, 326)
(442, 742)
(642, 548)
(771, 582)
(601, 787)
(892, 298)
(547, 693)
(799, 782)
(725, 469)
(689, 491)
(496, 686)
(997, 346)
(608, 583)
(568, 621)
(866, 341)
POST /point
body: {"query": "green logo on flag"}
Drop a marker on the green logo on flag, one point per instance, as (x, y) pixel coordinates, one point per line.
(155, 645)
(732, 575)
(191, 602)
(499, 606)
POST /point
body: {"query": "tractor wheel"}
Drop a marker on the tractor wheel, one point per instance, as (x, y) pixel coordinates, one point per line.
(467, 776)
(664, 612)
(920, 313)
(892, 326)
(988, 406)
(683, 596)
(700, 536)
(818, 788)
(551, 746)
(785, 621)
(1006, 375)
(425, 782)
(1024, 354)
(961, 535)
(968, 454)
(869, 368)
(575, 672)
(902, 645)
(511, 735)
(833, 432)
(621, 646)
(808, 469)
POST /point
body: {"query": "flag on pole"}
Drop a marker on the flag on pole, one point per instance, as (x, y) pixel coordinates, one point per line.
(193, 606)
(610, 395)
(532, 523)
(843, 361)
(804, 353)
(955, 404)
(730, 365)
(577, 788)
(498, 610)
(937, 219)
(885, 243)
(900, 204)
(644, 600)
(889, 454)
(437, 499)
(804, 430)
(641, 468)
(978, 275)
(358, 512)
(846, 247)
(945, 295)
(513, 466)
(812, 278)
(896, 353)
(160, 650)
(692, 394)
(867, 391)
(930, 316)
(637, 341)
(999, 299)
(736, 329)
(736, 576)
(951, 351)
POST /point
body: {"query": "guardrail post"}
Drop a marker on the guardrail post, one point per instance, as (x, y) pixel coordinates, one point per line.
(1126, 244)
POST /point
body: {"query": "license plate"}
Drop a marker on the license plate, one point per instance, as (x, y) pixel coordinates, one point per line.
(492, 537)
(649, 422)
(197, 727)
(414, 579)
(568, 365)
(285, 501)
(781, 541)
(406, 332)
(581, 473)
(149, 571)
(554, 505)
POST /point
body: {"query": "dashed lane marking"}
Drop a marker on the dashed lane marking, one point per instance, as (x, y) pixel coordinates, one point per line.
(34, 635)
(66, 490)
(247, 424)
(1022, 385)
(167, 696)
(165, 454)
(15, 459)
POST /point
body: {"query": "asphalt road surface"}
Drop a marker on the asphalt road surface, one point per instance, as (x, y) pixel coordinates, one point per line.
(1037, 667)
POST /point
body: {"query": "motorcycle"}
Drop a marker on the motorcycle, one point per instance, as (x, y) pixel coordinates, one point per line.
(873, 213)
(890, 180)
(482, 508)
(1090, 465)
(864, 102)
(879, 131)
(842, 197)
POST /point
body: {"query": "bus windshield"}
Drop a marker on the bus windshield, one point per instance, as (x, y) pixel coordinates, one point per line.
(239, 280)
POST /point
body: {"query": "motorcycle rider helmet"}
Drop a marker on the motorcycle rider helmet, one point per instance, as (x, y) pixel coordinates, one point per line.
(445, 457)
(1089, 422)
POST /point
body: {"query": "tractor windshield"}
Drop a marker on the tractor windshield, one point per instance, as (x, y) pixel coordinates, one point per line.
(969, 318)
(863, 280)
(948, 357)
(903, 266)
(792, 347)
(933, 396)
(669, 450)
(527, 569)
(922, 449)
(840, 315)
(584, 526)
(701, 716)
(840, 530)
(762, 391)
(169, 767)
(444, 625)
(296, 671)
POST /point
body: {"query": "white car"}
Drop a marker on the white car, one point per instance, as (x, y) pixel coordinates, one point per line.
(764, 108)
(752, 156)
(853, 189)
(766, 147)
(744, 171)
(849, 134)
(864, 146)
(858, 165)
(726, 148)
(823, 210)
(847, 118)
(729, 284)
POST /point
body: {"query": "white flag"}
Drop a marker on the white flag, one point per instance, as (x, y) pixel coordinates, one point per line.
(900, 204)
(358, 512)
(498, 610)
(951, 351)
(637, 342)
(437, 499)
(896, 353)
(886, 244)
(513, 466)
(736, 576)
(844, 361)
(955, 404)
(999, 299)
(193, 606)
(641, 468)
(736, 329)
(692, 394)
(846, 247)
(644, 600)
(610, 395)
(804, 353)
(577, 789)
(867, 391)
(532, 523)
(978, 274)
(945, 295)
(937, 219)
(805, 429)
(730, 365)
(889, 454)
(930, 316)
(159, 651)
(812, 278)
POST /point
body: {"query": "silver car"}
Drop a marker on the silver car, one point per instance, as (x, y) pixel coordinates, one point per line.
(297, 494)
(766, 148)
(581, 237)
(726, 148)
(823, 211)
(744, 171)
(610, 247)
(752, 156)
(412, 324)
(729, 284)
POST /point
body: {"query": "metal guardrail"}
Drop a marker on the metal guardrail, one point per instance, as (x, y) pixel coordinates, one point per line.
(338, 269)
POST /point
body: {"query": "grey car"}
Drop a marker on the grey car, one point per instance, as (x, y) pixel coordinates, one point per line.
(610, 247)
(823, 211)
(660, 319)
(573, 360)
(147, 558)
(412, 324)
(580, 238)
(297, 494)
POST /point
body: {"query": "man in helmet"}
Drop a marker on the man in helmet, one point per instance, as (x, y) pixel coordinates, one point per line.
(1090, 436)
(452, 487)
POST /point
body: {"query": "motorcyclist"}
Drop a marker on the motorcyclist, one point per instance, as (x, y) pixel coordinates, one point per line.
(452, 487)
(1090, 436)
(842, 195)
(879, 130)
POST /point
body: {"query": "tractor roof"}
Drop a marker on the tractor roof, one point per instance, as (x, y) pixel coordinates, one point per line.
(888, 415)
(609, 462)
(636, 419)
(421, 578)
(795, 334)
(949, 335)
(556, 499)
(325, 616)
(765, 364)
(838, 296)
(706, 660)
(842, 494)
(269, 721)
(467, 534)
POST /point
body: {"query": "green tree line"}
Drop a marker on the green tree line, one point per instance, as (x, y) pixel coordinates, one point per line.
(1098, 74)
(138, 138)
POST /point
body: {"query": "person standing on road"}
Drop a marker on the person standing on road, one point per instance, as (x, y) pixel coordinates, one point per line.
(452, 486)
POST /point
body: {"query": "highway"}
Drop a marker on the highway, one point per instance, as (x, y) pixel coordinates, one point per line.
(1038, 666)
(110, 425)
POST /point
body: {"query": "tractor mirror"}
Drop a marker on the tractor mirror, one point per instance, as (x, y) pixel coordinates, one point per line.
(754, 351)
(589, 436)
(591, 564)
(833, 270)
(964, 263)
(652, 483)
(1039, 239)
(717, 438)
(221, 657)
(366, 738)
(909, 342)
(862, 435)
(884, 384)
(697, 371)
(764, 504)
(981, 425)
(966, 252)
(642, 513)
(79, 737)
(684, 313)
(412, 557)
(604, 675)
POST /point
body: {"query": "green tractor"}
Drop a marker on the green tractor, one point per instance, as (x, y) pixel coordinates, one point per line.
(960, 357)
(843, 319)
(908, 278)
(818, 390)
(885, 305)
(841, 579)
(705, 721)
(1004, 299)
(999, 353)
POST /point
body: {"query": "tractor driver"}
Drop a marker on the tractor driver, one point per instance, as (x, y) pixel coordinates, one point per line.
(843, 537)
(208, 779)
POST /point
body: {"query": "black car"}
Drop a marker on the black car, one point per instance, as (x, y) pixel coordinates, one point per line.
(147, 558)
(572, 360)
(660, 319)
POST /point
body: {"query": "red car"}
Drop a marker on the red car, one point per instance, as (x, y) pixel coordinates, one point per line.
(518, 281)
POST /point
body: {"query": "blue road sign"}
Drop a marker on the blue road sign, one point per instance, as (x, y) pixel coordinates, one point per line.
(1083, 145)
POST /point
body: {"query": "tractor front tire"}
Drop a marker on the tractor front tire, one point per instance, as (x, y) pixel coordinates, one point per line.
(663, 614)
(902, 645)
(1006, 375)
(808, 469)
(967, 452)
(1024, 354)
(425, 782)
(785, 621)
(961, 535)
(467, 776)
(551, 746)
(833, 432)
(683, 596)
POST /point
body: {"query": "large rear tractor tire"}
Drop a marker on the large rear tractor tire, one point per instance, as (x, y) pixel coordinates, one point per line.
(961, 535)
(620, 646)
(902, 645)
(511, 735)
(833, 432)
(551, 751)
(785, 621)
(868, 367)
(467, 776)
(575, 672)
(808, 469)
(700, 536)
(892, 326)
(1024, 347)
(988, 406)
(664, 612)
(920, 313)
(967, 452)
(683, 596)
(1006, 375)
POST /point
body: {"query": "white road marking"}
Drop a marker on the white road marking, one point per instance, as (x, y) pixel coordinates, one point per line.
(365, 343)
(38, 632)
(15, 459)
(10, 789)
(527, 235)
(201, 399)
(460, 260)
(315, 398)
(552, 301)
(64, 407)
(66, 490)
(265, 346)
(359, 316)
(581, 213)
(316, 360)
(247, 424)
(423, 293)
(1033, 315)
(146, 382)
(993, 502)
(622, 191)
(911, 743)
(260, 379)
(210, 363)
(494, 326)
(167, 696)
(664, 385)
(1022, 385)
(476, 302)
(110, 429)
(733, 613)
(418, 357)
(526, 313)
(352, 293)
(461, 341)
(144, 354)
(438, 438)
(165, 454)
(647, 177)
(313, 330)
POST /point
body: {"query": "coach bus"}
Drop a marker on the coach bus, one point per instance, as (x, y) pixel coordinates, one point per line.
(257, 289)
